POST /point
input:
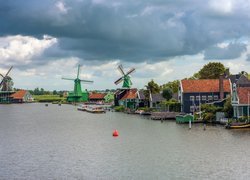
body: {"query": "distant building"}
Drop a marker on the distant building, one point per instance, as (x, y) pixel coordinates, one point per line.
(129, 99)
(97, 97)
(109, 97)
(240, 101)
(193, 93)
(21, 96)
(240, 80)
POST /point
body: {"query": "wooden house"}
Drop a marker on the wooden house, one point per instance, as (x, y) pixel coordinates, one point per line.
(240, 101)
(193, 93)
(130, 99)
(97, 97)
(21, 96)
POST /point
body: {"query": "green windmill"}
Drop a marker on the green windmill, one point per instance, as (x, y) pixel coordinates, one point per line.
(78, 95)
(127, 83)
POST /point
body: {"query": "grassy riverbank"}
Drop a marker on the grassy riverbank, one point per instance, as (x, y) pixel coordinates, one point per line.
(48, 98)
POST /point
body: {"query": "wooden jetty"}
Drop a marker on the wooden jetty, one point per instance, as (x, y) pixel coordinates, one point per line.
(163, 115)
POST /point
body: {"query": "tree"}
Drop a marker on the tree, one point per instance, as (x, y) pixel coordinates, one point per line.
(153, 87)
(167, 93)
(173, 85)
(212, 70)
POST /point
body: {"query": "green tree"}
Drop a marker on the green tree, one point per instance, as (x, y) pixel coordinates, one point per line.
(167, 93)
(212, 70)
(228, 108)
(153, 87)
(173, 85)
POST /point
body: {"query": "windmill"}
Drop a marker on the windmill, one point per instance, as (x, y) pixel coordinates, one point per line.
(6, 82)
(127, 83)
(78, 95)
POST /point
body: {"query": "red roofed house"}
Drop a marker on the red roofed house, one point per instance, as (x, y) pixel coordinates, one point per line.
(193, 93)
(21, 96)
(97, 97)
(129, 99)
(240, 101)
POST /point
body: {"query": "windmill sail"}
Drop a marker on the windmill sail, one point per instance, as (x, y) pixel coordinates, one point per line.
(130, 71)
(6, 76)
(119, 80)
(120, 68)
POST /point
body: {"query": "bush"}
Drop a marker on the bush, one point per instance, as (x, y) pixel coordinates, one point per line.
(119, 108)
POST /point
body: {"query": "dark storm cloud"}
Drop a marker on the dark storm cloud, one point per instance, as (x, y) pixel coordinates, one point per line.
(232, 51)
(127, 30)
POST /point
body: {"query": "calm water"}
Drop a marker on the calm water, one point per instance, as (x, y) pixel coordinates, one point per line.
(59, 142)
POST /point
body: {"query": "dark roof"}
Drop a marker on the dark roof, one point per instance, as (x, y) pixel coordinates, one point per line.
(141, 94)
(242, 94)
(234, 78)
(157, 97)
(240, 80)
(204, 85)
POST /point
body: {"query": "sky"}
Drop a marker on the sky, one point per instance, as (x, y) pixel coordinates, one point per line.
(163, 40)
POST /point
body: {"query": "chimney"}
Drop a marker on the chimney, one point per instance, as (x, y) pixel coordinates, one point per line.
(227, 73)
(221, 88)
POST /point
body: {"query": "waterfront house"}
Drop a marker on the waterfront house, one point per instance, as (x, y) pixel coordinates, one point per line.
(21, 96)
(155, 100)
(97, 97)
(130, 99)
(193, 93)
(240, 101)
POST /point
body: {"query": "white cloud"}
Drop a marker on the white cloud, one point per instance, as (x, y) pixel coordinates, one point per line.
(21, 49)
(222, 6)
(61, 7)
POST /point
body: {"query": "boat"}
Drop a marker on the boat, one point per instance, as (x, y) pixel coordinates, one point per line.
(184, 118)
(82, 107)
(95, 109)
(238, 125)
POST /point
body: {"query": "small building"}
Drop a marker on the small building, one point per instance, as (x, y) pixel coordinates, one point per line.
(130, 99)
(155, 100)
(240, 101)
(193, 93)
(97, 97)
(21, 96)
(109, 97)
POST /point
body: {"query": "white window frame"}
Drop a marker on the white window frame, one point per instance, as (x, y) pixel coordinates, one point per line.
(204, 98)
(216, 97)
(197, 98)
(191, 98)
(210, 97)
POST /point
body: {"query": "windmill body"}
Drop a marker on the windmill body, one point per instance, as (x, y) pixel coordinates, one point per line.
(78, 95)
(6, 87)
(126, 86)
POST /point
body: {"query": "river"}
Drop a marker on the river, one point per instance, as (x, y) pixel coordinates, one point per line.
(59, 142)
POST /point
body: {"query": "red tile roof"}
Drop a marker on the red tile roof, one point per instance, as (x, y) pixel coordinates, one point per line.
(204, 85)
(130, 94)
(242, 94)
(19, 94)
(97, 96)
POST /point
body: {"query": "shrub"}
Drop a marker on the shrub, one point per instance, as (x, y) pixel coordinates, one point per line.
(119, 108)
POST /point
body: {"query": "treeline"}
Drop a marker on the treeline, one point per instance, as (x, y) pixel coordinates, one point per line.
(41, 91)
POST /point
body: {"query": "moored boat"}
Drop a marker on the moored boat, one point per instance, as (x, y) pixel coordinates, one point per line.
(237, 125)
(95, 109)
(82, 107)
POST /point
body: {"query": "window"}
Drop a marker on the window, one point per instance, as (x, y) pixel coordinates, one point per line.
(216, 97)
(191, 108)
(204, 98)
(210, 98)
(197, 98)
(191, 98)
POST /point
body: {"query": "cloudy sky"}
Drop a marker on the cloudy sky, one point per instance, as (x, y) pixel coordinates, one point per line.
(163, 39)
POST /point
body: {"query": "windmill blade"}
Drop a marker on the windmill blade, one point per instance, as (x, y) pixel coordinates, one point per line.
(1, 75)
(5, 76)
(130, 71)
(118, 80)
(120, 68)
(8, 71)
(87, 81)
(68, 79)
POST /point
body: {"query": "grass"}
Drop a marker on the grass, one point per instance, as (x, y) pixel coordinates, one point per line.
(48, 98)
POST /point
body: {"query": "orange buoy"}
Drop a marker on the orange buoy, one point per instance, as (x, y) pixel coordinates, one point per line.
(115, 133)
